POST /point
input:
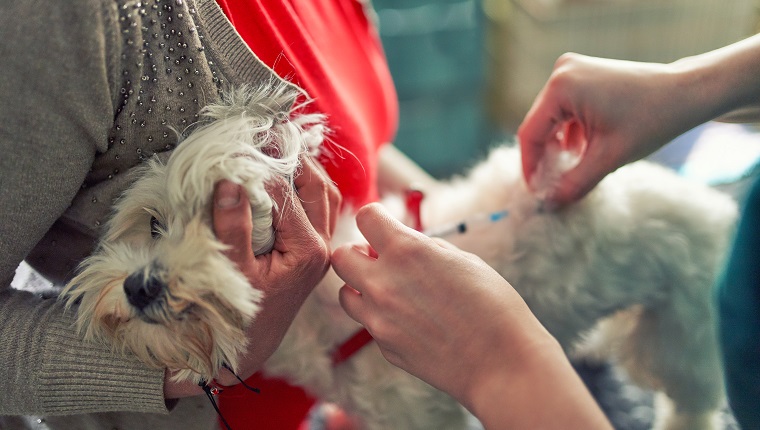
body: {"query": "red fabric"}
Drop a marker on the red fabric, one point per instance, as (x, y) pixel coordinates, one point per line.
(329, 48)
(278, 406)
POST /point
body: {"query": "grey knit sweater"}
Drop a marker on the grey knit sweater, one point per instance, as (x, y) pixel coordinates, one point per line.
(89, 89)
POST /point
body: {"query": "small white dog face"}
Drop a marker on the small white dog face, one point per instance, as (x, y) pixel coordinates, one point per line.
(159, 284)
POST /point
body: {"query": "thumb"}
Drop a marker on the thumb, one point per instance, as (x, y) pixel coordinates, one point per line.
(381, 229)
(539, 129)
(574, 184)
(290, 220)
(530, 154)
(232, 220)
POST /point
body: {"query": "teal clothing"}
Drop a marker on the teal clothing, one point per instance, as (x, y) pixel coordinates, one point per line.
(738, 296)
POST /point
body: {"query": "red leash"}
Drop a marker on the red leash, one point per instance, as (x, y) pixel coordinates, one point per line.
(350, 347)
(413, 207)
(361, 338)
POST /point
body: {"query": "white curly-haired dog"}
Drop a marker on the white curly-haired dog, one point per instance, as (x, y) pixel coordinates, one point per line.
(632, 263)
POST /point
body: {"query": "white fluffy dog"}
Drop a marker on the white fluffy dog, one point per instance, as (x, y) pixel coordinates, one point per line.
(639, 254)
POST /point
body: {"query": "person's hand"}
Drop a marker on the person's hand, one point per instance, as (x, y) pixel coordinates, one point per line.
(612, 112)
(435, 311)
(303, 222)
(446, 317)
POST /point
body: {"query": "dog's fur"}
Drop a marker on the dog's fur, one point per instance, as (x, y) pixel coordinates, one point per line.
(628, 271)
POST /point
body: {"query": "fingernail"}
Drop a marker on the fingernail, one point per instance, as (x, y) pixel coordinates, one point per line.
(227, 195)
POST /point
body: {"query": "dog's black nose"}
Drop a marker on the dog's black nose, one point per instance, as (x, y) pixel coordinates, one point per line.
(142, 291)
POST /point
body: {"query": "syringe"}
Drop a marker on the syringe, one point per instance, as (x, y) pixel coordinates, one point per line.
(467, 224)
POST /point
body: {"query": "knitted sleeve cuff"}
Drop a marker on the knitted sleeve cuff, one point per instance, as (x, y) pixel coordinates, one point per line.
(52, 371)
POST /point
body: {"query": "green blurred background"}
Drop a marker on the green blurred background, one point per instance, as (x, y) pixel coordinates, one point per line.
(435, 53)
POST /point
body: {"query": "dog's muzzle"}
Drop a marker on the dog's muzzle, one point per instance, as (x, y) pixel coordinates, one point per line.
(142, 290)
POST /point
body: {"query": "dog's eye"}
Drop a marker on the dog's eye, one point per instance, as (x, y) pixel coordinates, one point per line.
(155, 228)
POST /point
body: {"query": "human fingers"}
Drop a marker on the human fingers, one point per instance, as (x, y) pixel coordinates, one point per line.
(298, 261)
(302, 256)
(232, 221)
(293, 229)
(381, 229)
(548, 115)
(574, 184)
(539, 129)
(319, 197)
(572, 138)
(365, 248)
(352, 264)
(335, 198)
(596, 155)
(553, 114)
(351, 301)
(531, 136)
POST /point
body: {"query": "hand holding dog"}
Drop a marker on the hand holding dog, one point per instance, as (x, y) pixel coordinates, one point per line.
(448, 318)
(299, 260)
(303, 222)
(615, 112)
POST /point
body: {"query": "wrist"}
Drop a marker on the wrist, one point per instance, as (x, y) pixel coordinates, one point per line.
(179, 389)
(510, 352)
(721, 81)
(541, 378)
(492, 396)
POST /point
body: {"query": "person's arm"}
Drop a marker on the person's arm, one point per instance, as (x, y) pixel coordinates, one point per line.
(724, 80)
(57, 86)
(616, 112)
(448, 318)
(57, 107)
(543, 391)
